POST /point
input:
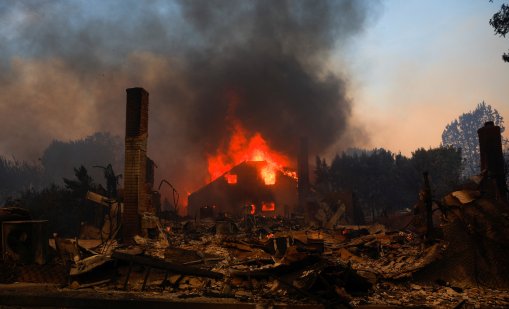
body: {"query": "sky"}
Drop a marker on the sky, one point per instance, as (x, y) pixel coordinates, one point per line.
(366, 74)
(423, 63)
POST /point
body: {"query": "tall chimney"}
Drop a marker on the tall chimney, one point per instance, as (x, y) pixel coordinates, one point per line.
(492, 158)
(303, 173)
(136, 133)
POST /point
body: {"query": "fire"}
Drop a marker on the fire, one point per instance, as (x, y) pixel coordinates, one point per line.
(269, 175)
(243, 147)
(271, 206)
(231, 178)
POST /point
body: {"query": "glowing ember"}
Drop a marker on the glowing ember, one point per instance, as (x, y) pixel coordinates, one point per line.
(270, 235)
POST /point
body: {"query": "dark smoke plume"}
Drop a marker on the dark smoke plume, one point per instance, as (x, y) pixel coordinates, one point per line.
(65, 66)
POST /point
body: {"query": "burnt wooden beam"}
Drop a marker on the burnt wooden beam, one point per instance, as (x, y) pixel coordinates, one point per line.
(173, 267)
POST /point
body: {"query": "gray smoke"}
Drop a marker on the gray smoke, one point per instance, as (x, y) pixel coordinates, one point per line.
(65, 66)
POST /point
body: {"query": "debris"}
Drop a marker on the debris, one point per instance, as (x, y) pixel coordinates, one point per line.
(67, 249)
(466, 196)
(88, 264)
(158, 263)
(267, 258)
(75, 284)
(13, 214)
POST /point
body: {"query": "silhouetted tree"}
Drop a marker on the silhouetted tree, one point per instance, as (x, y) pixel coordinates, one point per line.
(60, 158)
(382, 180)
(444, 167)
(322, 177)
(57, 163)
(82, 184)
(16, 176)
(500, 22)
(370, 175)
(461, 134)
(111, 180)
(57, 205)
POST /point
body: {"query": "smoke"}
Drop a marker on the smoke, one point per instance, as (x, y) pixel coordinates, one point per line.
(65, 66)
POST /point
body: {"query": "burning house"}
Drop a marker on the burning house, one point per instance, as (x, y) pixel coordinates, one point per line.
(251, 187)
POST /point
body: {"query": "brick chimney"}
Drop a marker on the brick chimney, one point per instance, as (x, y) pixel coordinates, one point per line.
(136, 133)
(492, 158)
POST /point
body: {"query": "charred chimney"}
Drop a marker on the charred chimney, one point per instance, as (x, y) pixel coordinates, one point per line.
(136, 133)
(492, 158)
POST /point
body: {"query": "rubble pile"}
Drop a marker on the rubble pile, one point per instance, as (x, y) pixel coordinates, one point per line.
(434, 295)
(477, 231)
(260, 259)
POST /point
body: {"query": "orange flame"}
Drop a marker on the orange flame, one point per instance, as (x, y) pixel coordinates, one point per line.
(241, 148)
(271, 206)
(244, 146)
(231, 178)
(269, 175)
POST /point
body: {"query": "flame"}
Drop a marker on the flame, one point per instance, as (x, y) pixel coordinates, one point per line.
(231, 178)
(269, 175)
(243, 148)
(271, 206)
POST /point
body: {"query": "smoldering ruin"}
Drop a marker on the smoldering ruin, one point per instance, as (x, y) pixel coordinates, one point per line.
(265, 236)
(218, 203)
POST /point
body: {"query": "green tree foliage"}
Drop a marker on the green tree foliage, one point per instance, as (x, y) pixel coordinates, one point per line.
(385, 181)
(500, 23)
(461, 133)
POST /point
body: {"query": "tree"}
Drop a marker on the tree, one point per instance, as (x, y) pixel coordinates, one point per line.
(59, 159)
(82, 184)
(500, 22)
(63, 211)
(382, 180)
(371, 175)
(322, 183)
(443, 165)
(111, 180)
(16, 176)
(461, 134)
